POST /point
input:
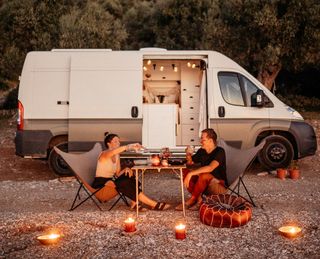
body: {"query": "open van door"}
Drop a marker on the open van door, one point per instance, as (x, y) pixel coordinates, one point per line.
(105, 95)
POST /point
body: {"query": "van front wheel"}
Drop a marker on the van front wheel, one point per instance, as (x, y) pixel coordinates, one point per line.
(276, 153)
(56, 163)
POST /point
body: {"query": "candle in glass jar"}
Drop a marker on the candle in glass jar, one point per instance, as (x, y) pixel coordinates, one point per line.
(164, 162)
(155, 160)
(180, 231)
(129, 225)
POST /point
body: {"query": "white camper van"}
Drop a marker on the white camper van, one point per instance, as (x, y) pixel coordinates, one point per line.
(161, 98)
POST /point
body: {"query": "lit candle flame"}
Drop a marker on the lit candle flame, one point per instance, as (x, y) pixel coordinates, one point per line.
(290, 231)
(53, 236)
(180, 226)
(129, 220)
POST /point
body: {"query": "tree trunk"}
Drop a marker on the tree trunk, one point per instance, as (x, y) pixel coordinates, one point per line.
(268, 75)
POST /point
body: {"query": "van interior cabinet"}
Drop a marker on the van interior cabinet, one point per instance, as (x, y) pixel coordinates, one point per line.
(159, 127)
(190, 95)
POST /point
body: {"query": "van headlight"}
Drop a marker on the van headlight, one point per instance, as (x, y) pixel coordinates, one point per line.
(294, 113)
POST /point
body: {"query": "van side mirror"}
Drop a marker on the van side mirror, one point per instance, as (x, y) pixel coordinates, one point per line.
(258, 98)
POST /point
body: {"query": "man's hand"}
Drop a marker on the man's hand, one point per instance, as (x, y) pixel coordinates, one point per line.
(187, 180)
(189, 150)
(128, 172)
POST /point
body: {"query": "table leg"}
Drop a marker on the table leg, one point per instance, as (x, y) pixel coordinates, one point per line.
(182, 193)
(137, 191)
(142, 180)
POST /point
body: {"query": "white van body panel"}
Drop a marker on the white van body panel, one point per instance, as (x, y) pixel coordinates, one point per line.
(105, 85)
(43, 71)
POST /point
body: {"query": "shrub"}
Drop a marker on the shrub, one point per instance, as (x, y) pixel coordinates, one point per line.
(301, 103)
(11, 101)
(3, 86)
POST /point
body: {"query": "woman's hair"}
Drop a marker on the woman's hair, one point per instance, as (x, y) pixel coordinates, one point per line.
(108, 137)
(211, 134)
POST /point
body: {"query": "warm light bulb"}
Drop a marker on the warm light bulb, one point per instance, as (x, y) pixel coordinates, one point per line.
(189, 64)
(175, 69)
(149, 62)
(161, 68)
(193, 65)
(145, 68)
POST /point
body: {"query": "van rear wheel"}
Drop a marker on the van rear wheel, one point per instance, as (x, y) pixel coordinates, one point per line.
(56, 162)
(276, 153)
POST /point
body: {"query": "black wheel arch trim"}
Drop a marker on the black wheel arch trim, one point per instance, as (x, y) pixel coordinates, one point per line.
(305, 137)
(32, 143)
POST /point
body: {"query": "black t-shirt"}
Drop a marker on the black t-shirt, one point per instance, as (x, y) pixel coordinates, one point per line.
(217, 154)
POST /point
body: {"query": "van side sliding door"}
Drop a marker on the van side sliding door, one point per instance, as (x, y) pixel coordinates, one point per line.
(105, 95)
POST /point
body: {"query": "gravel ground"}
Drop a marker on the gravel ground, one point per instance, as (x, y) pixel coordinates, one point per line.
(32, 207)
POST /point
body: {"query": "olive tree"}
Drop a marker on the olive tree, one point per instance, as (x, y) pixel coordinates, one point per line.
(265, 36)
(91, 27)
(139, 20)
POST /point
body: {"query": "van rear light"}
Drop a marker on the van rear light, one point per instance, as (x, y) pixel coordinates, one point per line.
(20, 116)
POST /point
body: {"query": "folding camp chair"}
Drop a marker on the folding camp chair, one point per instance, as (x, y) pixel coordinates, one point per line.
(84, 168)
(237, 162)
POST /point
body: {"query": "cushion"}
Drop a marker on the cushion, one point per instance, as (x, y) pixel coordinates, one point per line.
(225, 210)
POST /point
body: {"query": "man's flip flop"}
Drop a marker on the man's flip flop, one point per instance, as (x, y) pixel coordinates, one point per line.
(161, 206)
(186, 206)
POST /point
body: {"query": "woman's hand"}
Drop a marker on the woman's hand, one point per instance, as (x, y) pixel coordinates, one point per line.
(134, 147)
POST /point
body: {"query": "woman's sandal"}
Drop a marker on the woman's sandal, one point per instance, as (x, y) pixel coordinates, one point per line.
(140, 208)
(161, 206)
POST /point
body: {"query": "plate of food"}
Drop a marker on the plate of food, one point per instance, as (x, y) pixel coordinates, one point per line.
(141, 162)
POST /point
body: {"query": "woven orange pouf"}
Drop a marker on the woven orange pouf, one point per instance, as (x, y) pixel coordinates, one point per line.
(225, 211)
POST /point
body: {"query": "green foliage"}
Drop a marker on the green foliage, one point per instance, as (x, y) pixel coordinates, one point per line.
(139, 22)
(181, 24)
(262, 36)
(11, 101)
(3, 86)
(11, 62)
(301, 103)
(91, 27)
(294, 164)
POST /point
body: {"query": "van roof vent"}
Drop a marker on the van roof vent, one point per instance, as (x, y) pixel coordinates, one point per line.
(152, 49)
(81, 50)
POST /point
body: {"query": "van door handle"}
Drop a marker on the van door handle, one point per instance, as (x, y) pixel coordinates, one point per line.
(63, 102)
(221, 111)
(134, 112)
